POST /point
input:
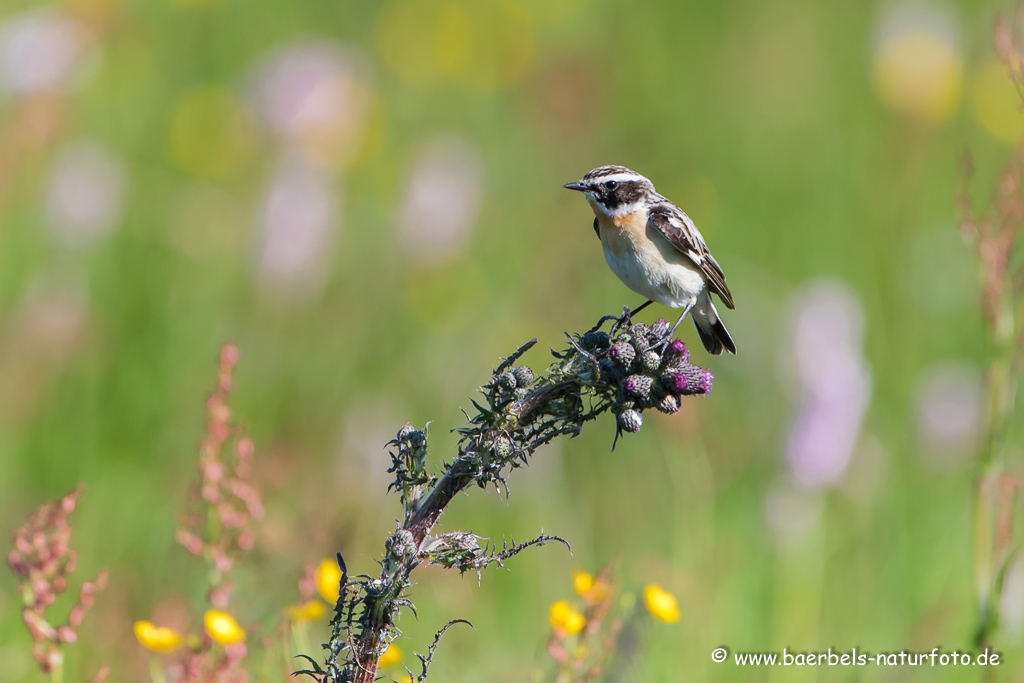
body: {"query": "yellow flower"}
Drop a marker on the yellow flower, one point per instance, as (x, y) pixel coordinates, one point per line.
(592, 590)
(328, 580)
(307, 611)
(661, 604)
(391, 657)
(919, 73)
(563, 617)
(482, 45)
(582, 582)
(995, 103)
(212, 134)
(157, 638)
(223, 628)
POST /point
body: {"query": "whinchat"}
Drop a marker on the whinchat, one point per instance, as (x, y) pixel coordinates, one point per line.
(656, 250)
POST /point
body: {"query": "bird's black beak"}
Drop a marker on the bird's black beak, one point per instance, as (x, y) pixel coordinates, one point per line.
(579, 187)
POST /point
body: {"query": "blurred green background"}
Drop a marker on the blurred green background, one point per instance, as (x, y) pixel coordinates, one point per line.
(366, 197)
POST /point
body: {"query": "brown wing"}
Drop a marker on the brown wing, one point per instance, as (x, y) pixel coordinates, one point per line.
(678, 229)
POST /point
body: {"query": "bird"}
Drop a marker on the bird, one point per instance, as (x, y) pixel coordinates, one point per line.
(657, 250)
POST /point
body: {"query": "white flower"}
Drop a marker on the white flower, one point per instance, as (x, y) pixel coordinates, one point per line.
(39, 50)
(442, 198)
(85, 194)
(299, 220)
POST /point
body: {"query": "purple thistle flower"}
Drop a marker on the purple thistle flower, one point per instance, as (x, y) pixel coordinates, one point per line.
(638, 385)
(677, 351)
(623, 353)
(680, 383)
(707, 377)
(688, 380)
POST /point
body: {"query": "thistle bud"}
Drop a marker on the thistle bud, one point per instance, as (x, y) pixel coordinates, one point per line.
(660, 328)
(594, 341)
(623, 353)
(640, 343)
(503, 447)
(520, 393)
(507, 381)
(630, 421)
(411, 438)
(638, 385)
(650, 361)
(523, 375)
(669, 404)
(401, 545)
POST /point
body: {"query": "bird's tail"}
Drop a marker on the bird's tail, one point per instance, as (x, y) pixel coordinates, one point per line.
(710, 328)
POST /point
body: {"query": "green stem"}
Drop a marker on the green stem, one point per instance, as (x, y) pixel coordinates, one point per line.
(156, 669)
(57, 671)
(1001, 385)
(300, 638)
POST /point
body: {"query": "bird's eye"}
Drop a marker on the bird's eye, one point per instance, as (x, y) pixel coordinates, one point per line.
(611, 185)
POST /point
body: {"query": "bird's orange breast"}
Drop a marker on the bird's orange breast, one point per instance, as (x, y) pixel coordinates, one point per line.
(622, 235)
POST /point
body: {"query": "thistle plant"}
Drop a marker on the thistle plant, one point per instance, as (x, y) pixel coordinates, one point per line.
(993, 235)
(626, 371)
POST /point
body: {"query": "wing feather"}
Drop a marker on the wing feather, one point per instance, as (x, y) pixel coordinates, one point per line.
(678, 229)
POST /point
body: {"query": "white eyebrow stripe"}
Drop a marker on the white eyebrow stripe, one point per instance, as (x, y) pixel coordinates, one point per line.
(619, 177)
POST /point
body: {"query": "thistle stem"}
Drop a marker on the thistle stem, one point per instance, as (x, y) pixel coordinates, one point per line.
(521, 414)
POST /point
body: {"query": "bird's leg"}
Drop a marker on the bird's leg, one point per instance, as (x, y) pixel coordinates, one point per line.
(668, 337)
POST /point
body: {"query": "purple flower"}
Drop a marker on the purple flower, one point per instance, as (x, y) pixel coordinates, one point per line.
(949, 409)
(834, 383)
(706, 380)
(623, 353)
(688, 380)
(677, 351)
(638, 385)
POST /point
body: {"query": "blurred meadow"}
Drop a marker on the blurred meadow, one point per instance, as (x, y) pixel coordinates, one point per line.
(366, 198)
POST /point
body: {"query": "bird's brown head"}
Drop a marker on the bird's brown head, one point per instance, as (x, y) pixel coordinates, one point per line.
(614, 190)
